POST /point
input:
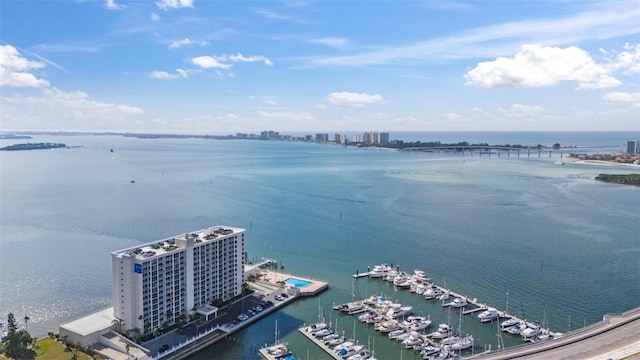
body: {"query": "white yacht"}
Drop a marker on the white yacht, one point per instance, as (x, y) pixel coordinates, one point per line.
(488, 315)
(413, 339)
(323, 332)
(313, 328)
(432, 293)
(379, 271)
(532, 330)
(443, 331)
(402, 311)
(395, 333)
(278, 350)
(508, 323)
(457, 302)
(464, 343)
(336, 341)
(516, 329)
(450, 340)
(420, 325)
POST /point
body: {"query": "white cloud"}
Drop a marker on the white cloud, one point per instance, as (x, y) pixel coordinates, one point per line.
(76, 105)
(622, 97)
(330, 41)
(13, 66)
(537, 66)
(154, 16)
(185, 42)
(270, 100)
(222, 61)
(163, 75)
(207, 62)
(270, 15)
(320, 106)
(111, 5)
(286, 115)
(354, 99)
(453, 116)
(242, 58)
(628, 60)
(174, 4)
(520, 111)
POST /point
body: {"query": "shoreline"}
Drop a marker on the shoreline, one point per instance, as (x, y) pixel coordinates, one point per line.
(602, 162)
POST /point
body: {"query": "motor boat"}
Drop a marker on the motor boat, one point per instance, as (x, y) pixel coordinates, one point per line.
(443, 331)
(413, 339)
(379, 271)
(516, 329)
(429, 350)
(488, 315)
(410, 320)
(395, 333)
(450, 340)
(420, 325)
(532, 330)
(432, 293)
(508, 323)
(313, 328)
(458, 302)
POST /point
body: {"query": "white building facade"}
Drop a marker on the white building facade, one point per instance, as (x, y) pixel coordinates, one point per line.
(159, 282)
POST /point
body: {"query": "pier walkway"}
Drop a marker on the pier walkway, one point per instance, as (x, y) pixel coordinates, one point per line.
(615, 337)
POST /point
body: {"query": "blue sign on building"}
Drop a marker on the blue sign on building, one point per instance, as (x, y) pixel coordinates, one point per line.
(137, 268)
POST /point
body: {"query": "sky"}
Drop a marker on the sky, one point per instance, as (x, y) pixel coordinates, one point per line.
(223, 67)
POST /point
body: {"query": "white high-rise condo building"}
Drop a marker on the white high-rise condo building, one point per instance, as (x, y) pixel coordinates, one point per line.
(157, 283)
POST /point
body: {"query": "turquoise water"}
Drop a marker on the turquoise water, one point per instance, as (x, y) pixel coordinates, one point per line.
(297, 282)
(556, 241)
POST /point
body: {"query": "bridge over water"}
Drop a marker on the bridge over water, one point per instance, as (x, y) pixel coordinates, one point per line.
(495, 150)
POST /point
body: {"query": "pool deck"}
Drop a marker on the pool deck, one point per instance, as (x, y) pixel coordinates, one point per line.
(315, 286)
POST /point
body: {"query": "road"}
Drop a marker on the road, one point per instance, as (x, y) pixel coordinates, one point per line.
(616, 337)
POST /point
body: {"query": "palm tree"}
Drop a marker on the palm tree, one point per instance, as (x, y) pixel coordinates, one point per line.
(26, 320)
(127, 346)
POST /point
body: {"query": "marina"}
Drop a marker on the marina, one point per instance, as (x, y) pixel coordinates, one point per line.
(400, 323)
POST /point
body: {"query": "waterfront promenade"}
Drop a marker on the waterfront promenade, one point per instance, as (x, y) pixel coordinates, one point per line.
(615, 337)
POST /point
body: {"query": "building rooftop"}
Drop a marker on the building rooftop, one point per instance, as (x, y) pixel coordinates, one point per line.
(91, 323)
(164, 246)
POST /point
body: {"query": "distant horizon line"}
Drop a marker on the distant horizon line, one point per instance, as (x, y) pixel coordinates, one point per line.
(297, 132)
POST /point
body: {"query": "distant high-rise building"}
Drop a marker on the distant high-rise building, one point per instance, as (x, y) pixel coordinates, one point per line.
(384, 138)
(322, 138)
(631, 147)
(156, 283)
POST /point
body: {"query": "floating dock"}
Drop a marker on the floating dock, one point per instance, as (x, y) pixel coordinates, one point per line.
(320, 344)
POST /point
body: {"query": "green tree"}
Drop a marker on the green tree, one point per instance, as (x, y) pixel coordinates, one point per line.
(16, 343)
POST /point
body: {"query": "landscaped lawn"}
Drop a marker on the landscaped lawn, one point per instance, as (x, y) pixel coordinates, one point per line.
(52, 350)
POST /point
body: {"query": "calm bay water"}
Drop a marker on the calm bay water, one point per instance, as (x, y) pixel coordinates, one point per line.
(557, 241)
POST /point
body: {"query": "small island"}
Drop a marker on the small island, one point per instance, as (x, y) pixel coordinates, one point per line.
(33, 146)
(630, 179)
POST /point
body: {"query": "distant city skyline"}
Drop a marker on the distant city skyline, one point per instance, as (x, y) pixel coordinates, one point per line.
(223, 67)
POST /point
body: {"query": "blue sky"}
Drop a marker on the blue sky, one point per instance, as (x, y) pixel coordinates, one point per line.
(221, 67)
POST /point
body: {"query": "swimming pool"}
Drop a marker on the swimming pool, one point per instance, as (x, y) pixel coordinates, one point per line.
(297, 282)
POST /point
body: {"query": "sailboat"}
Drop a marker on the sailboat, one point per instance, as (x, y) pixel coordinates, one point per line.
(277, 350)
